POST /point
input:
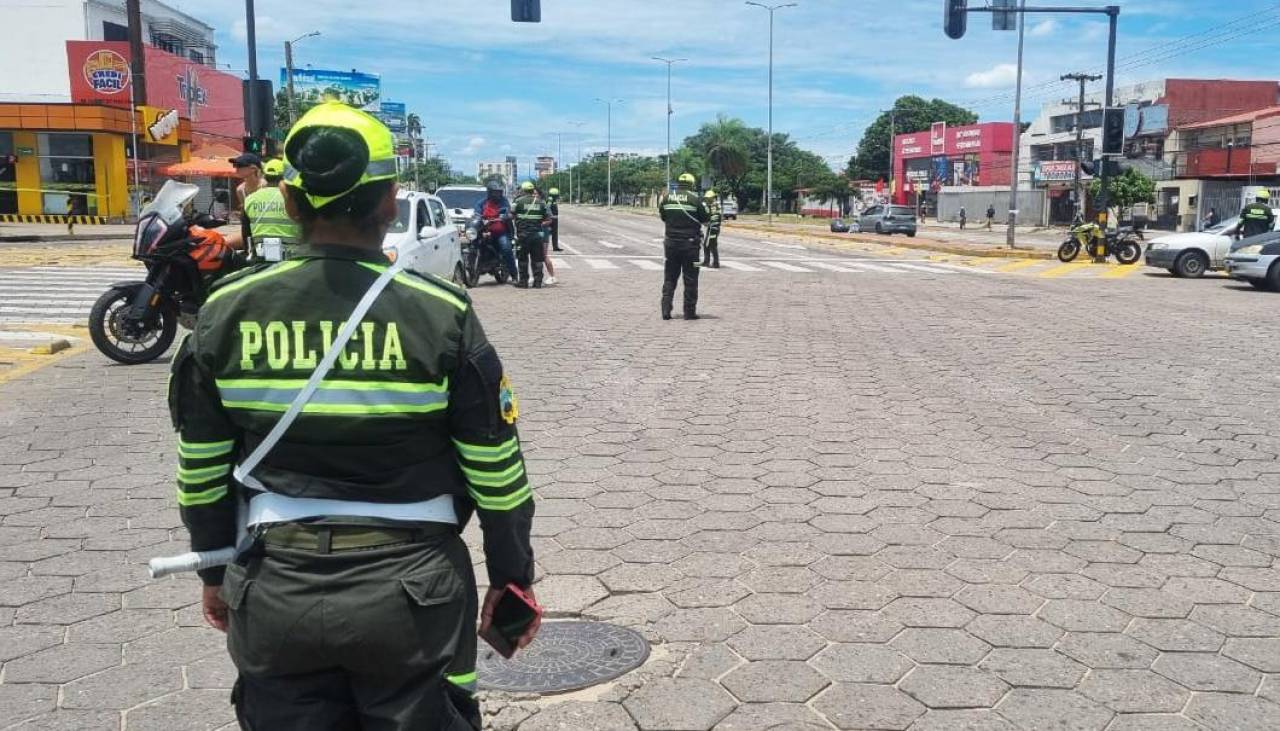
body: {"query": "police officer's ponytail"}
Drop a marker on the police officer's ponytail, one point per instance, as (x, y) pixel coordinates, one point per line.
(331, 160)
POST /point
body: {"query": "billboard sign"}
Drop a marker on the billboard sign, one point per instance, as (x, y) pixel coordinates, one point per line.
(159, 125)
(312, 86)
(1054, 171)
(394, 115)
(99, 73)
(938, 138)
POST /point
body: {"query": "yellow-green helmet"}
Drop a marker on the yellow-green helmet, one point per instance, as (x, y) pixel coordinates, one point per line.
(373, 154)
(709, 195)
(1264, 195)
(687, 179)
(273, 168)
(553, 191)
(526, 185)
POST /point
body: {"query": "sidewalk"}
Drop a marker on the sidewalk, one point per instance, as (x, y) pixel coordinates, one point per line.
(40, 232)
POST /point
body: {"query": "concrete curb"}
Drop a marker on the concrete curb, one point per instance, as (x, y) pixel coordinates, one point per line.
(985, 252)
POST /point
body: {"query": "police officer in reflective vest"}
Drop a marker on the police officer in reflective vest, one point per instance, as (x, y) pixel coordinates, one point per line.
(711, 249)
(265, 216)
(684, 213)
(353, 602)
(553, 203)
(1257, 217)
(531, 216)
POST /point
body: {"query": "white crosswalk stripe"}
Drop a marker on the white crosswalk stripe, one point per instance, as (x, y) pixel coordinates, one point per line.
(600, 264)
(786, 267)
(740, 266)
(57, 294)
(648, 264)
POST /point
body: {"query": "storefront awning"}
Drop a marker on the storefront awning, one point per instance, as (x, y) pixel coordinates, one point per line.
(212, 161)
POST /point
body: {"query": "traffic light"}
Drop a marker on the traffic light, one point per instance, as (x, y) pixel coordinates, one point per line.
(253, 144)
(955, 19)
(526, 11)
(1113, 131)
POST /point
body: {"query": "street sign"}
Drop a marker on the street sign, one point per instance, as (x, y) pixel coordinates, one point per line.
(1003, 19)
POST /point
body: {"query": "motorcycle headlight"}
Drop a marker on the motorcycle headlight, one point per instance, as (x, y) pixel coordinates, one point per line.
(472, 233)
(1251, 250)
(1159, 247)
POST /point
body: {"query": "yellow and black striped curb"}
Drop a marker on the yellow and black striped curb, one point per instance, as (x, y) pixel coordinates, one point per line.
(53, 218)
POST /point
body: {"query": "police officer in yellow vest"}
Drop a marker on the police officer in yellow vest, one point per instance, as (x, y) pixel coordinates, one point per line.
(265, 218)
(352, 604)
(684, 213)
(1257, 217)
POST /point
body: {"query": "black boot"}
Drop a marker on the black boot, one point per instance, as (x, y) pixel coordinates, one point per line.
(537, 275)
(690, 315)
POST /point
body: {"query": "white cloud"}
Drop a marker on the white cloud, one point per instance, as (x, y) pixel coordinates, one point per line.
(473, 146)
(1044, 28)
(999, 76)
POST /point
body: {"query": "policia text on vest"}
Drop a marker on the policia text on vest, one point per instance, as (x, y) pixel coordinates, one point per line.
(353, 604)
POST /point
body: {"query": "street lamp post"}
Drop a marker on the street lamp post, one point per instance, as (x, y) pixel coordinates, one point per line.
(768, 196)
(669, 62)
(608, 194)
(893, 132)
(577, 134)
(288, 72)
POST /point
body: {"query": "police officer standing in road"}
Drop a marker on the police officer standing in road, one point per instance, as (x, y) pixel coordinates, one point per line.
(711, 249)
(1257, 217)
(531, 216)
(353, 602)
(684, 213)
(553, 202)
(265, 216)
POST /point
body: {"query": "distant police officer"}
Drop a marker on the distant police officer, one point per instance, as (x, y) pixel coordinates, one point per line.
(1257, 217)
(531, 216)
(684, 213)
(553, 202)
(711, 249)
(354, 606)
(265, 216)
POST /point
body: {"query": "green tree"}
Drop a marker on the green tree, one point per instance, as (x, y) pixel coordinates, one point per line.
(1126, 189)
(910, 114)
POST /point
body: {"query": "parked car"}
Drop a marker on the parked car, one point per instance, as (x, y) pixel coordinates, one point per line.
(1192, 254)
(729, 208)
(423, 234)
(839, 226)
(888, 220)
(1256, 260)
(459, 201)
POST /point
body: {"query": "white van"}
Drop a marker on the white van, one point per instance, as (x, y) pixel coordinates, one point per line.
(729, 208)
(423, 235)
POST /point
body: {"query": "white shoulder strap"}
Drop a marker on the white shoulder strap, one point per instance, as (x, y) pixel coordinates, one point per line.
(244, 470)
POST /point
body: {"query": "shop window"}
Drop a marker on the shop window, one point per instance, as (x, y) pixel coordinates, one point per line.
(196, 56)
(67, 175)
(114, 31)
(8, 175)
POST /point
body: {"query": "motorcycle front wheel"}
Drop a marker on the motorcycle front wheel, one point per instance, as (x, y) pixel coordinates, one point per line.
(124, 340)
(1128, 252)
(1068, 251)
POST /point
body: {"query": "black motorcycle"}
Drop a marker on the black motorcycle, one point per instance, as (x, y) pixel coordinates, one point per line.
(136, 322)
(1125, 243)
(480, 252)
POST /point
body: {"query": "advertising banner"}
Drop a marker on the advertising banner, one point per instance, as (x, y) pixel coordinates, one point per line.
(1054, 171)
(394, 115)
(938, 138)
(158, 125)
(312, 86)
(212, 100)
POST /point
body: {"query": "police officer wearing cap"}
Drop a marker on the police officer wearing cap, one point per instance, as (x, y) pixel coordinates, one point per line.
(265, 216)
(553, 202)
(711, 248)
(683, 213)
(1257, 217)
(352, 603)
(532, 216)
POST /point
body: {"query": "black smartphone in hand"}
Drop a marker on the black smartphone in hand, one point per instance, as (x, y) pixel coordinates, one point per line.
(514, 612)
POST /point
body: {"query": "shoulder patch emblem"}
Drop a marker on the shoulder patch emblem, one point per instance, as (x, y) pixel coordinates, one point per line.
(507, 401)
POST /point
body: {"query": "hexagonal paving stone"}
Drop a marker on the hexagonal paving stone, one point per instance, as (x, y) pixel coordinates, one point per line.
(713, 565)
(921, 582)
(1207, 672)
(639, 577)
(861, 663)
(1148, 603)
(579, 714)
(778, 609)
(1175, 635)
(1107, 650)
(711, 624)
(985, 571)
(852, 595)
(62, 664)
(936, 645)
(123, 626)
(772, 681)
(1229, 711)
(1012, 630)
(1076, 615)
(771, 717)
(701, 593)
(1153, 722)
(1065, 586)
(998, 599)
(68, 608)
(1237, 621)
(949, 686)
(121, 688)
(1259, 653)
(18, 641)
(855, 626)
(917, 612)
(1034, 668)
(188, 710)
(1133, 691)
(962, 720)
(28, 589)
(868, 706)
(679, 703)
(777, 642)
(1046, 708)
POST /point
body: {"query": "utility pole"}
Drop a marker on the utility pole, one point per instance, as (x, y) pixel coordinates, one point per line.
(608, 195)
(1076, 185)
(893, 132)
(669, 62)
(768, 196)
(288, 73)
(1010, 237)
(578, 135)
(137, 59)
(252, 33)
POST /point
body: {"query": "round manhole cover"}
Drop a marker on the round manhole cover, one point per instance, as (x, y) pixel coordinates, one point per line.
(565, 656)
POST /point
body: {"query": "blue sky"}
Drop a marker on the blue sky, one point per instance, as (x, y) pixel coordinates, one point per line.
(487, 88)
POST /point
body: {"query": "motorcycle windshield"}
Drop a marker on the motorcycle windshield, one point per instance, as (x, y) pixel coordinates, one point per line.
(170, 202)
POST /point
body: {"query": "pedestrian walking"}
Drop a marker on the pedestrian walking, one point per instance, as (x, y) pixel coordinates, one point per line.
(265, 218)
(353, 602)
(991, 215)
(553, 202)
(683, 213)
(546, 241)
(532, 217)
(964, 216)
(711, 247)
